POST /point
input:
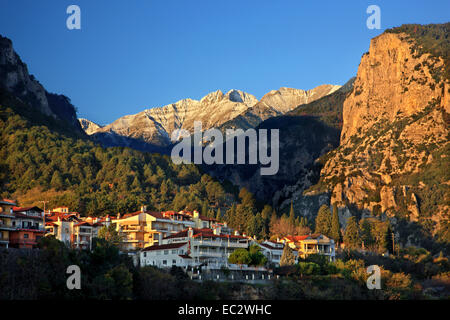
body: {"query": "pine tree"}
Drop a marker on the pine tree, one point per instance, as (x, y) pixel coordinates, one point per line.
(273, 221)
(57, 181)
(335, 232)
(292, 214)
(367, 238)
(303, 222)
(266, 215)
(218, 215)
(231, 215)
(352, 238)
(136, 185)
(323, 220)
(205, 208)
(287, 257)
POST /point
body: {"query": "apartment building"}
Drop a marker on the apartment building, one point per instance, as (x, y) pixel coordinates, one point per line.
(193, 247)
(59, 225)
(272, 250)
(28, 226)
(311, 244)
(146, 228)
(6, 219)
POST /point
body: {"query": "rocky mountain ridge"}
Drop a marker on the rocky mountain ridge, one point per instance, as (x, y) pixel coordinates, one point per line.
(234, 109)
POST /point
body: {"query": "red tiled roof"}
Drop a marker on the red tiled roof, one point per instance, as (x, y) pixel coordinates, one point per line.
(8, 201)
(19, 209)
(304, 237)
(83, 223)
(269, 246)
(165, 246)
(64, 216)
(157, 215)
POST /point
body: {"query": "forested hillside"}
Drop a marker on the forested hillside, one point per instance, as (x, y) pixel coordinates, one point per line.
(42, 159)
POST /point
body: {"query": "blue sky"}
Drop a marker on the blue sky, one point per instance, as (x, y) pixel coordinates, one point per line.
(131, 55)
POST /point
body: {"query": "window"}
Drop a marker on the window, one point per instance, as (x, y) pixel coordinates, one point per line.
(174, 261)
(166, 251)
(174, 251)
(164, 262)
(145, 254)
(25, 235)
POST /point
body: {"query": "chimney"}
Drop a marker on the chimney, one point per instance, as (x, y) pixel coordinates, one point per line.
(190, 232)
(236, 233)
(118, 215)
(143, 208)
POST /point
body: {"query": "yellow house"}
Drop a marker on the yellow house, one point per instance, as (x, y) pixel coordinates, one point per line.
(144, 228)
(6, 217)
(311, 244)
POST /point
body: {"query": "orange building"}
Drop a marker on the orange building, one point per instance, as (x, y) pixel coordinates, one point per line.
(29, 227)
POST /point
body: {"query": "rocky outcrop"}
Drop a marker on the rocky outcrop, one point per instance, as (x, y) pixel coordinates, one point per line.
(88, 126)
(307, 132)
(14, 77)
(395, 133)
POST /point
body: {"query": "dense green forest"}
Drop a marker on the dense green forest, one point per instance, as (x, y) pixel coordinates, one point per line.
(41, 158)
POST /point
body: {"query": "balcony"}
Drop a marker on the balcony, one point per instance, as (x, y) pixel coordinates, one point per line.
(4, 226)
(23, 241)
(211, 243)
(6, 215)
(130, 230)
(34, 228)
(209, 254)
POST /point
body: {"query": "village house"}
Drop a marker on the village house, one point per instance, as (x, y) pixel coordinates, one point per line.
(272, 250)
(311, 244)
(193, 247)
(29, 227)
(145, 228)
(71, 229)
